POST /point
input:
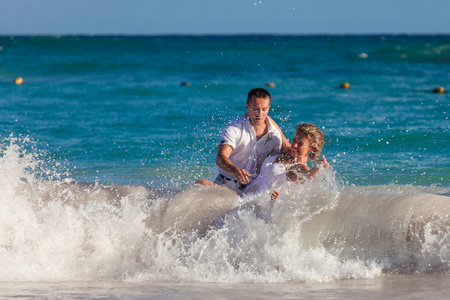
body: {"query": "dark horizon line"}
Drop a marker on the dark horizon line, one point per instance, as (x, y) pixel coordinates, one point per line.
(220, 34)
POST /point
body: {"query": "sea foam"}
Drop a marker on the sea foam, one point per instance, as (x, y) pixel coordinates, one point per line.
(53, 228)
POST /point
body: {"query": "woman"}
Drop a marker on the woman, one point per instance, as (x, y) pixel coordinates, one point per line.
(307, 143)
(276, 170)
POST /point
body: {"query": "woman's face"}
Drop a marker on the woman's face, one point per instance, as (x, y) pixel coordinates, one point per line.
(300, 146)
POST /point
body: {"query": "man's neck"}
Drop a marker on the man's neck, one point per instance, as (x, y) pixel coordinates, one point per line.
(261, 129)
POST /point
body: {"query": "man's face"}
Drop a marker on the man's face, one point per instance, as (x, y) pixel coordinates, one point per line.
(257, 109)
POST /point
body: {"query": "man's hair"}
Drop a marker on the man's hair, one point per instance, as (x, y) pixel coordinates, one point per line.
(258, 93)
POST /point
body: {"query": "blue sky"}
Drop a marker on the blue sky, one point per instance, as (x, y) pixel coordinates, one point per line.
(223, 16)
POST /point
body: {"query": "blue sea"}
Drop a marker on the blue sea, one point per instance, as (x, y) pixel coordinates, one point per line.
(102, 142)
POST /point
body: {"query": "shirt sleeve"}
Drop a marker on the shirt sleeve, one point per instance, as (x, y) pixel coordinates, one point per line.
(230, 136)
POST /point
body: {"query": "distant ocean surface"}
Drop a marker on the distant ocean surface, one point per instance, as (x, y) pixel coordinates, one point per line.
(101, 143)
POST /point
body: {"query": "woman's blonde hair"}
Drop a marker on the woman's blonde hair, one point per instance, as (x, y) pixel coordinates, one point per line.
(315, 137)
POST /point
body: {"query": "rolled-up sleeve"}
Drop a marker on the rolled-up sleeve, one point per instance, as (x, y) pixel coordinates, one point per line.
(229, 136)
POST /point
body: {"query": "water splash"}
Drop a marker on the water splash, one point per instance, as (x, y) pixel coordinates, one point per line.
(55, 229)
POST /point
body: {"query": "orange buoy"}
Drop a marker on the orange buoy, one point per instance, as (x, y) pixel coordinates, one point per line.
(270, 84)
(18, 80)
(344, 85)
(439, 90)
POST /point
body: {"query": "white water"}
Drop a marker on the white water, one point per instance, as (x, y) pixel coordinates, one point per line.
(59, 230)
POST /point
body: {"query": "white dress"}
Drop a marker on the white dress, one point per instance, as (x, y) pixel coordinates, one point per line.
(271, 178)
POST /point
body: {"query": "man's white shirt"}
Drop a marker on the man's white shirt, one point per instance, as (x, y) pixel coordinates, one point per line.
(249, 153)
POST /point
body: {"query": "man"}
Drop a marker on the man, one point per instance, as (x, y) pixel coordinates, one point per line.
(247, 141)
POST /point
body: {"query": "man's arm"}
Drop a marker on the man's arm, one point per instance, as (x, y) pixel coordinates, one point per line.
(285, 145)
(223, 162)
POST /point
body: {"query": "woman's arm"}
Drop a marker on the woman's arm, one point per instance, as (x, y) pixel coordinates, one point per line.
(300, 169)
(321, 163)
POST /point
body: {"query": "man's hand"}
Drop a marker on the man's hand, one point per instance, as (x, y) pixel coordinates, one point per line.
(241, 175)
